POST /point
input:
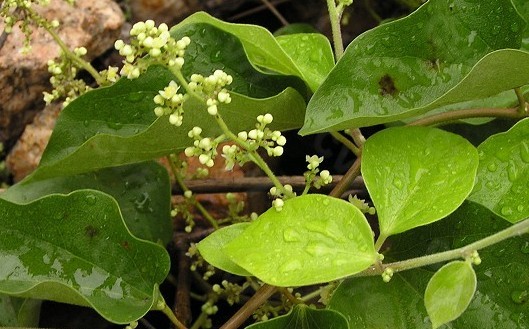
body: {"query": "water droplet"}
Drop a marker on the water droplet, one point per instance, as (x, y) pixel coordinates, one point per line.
(519, 296)
(317, 249)
(291, 235)
(492, 167)
(91, 199)
(216, 56)
(326, 202)
(305, 38)
(290, 266)
(514, 27)
(115, 125)
(525, 247)
(339, 262)
(506, 211)
(142, 203)
(512, 171)
(86, 123)
(471, 37)
(524, 152)
(135, 97)
(520, 208)
(397, 182)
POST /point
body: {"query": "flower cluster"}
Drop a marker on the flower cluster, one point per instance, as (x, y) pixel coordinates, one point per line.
(157, 42)
(213, 88)
(362, 205)
(280, 194)
(230, 291)
(324, 177)
(170, 102)
(387, 274)
(205, 148)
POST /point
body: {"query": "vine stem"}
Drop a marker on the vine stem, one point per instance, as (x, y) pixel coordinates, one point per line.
(347, 179)
(334, 17)
(522, 109)
(514, 230)
(512, 113)
(169, 313)
(347, 143)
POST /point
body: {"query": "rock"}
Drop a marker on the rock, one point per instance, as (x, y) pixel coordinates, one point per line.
(23, 77)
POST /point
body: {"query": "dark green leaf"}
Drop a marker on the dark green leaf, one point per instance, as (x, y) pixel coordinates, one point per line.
(113, 126)
(295, 28)
(523, 8)
(449, 292)
(502, 295)
(441, 54)
(503, 173)
(211, 248)
(304, 317)
(142, 191)
(76, 249)
(19, 312)
(417, 175)
(313, 239)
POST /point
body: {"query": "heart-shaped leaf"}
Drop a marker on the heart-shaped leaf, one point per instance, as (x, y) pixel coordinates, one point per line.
(211, 248)
(76, 249)
(442, 53)
(449, 292)
(304, 317)
(417, 175)
(142, 191)
(313, 239)
(503, 173)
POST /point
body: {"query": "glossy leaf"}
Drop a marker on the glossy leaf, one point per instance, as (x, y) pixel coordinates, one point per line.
(503, 173)
(211, 248)
(523, 8)
(76, 249)
(502, 296)
(304, 317)
(449, 292)
(113, 126)
(19, 312)
(443, 53)
(312, 54)
(417, 175)
(142, 191)
(313, 239)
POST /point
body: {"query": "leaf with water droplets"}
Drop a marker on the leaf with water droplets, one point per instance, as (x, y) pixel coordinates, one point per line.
(449, 292)
(503, 175)
(211, 248)
(417, 175)
(304, 317)
(440, 54)
(313, 239)
(312, 54)
(76, 249)
(19, 312)
(142, 191)
(502, 278)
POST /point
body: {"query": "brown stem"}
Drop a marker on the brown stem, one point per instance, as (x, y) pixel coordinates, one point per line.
(348, 179)
(276, 12)
(182, 305)
(511, 113)
(260, 297)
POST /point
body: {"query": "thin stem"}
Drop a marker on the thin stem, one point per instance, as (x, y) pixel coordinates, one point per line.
(521, 101)
(346, 142)
(290, 297)
(380, 241)
(167, 311)
(334, 17)
(347, 179)
(183, 187)
(274, 11)
(199, 321)
(312, 295)
(260, 297)
(514, 230)
(445, 117)
(183, 83)
(358, 137)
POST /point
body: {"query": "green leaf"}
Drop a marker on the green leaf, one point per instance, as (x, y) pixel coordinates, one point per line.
(211, 248)
(304, 317)
(449, 292)
(523, 8)
(259, 44)
(294, 29)
(76, 249)
(113, 126)
(312, 54)
(142, 191)
(313, 239)
(503, 173)
(19, 312)
(417, 175)
(443, 53)
(502, 296)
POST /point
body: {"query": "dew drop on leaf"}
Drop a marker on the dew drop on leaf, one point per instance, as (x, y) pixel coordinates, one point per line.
(397, 182)
(291, 265)
(91, 199)
(291, 235)
(135, 97)
(525, 247)
(506, 211)
(524, 152)
(492, 167)
(519, 296)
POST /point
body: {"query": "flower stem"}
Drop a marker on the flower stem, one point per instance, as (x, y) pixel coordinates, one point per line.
(346, 142)
(347, 179)
(334, 17)
(169, 313)
(522, 109)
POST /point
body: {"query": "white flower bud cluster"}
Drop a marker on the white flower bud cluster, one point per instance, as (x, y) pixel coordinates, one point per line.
(157, 42)
(204, 148)
(209, 308)
(63, 79)
(231, 291)
(170, 102)
(311, 176)
(387, 274)
(261, 136)
(279, 195)
(213, 87)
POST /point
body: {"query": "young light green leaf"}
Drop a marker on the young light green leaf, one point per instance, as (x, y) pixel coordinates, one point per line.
(19, 312)
(503, 173)
(113, 126)
(304, 317)
(443, 53)
(142, 191)
(449, 292)
(313, 239)
(502, 295)
(417, 175)
(211, 248)
(76, 249)
(312, 54)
